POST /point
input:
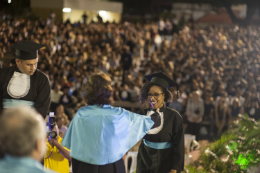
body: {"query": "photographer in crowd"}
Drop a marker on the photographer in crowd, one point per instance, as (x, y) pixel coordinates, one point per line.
(57, 157)
(22, 141)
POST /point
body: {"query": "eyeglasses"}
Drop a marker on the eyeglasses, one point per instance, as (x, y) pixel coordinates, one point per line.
(156, 95)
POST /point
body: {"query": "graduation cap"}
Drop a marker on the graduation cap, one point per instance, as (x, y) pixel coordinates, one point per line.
(162, 80)
(26, 50)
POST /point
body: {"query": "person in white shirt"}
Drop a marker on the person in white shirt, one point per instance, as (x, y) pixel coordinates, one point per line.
(55, 97)
(161, 26)
(239, 96)
(194, 113)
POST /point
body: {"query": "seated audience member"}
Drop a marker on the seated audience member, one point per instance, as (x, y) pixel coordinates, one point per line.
(227, 100)
(66, 99)
(182, 93)
(175, 104)
(238, 95)
(252, 108)
(133, 93)
(66, 120)
(57, 157)
(60, 123)
(209, 110)
(220, 114)
(208, 106)
(55, 97)
(125, 96)
(194, 113)
(234, 110)
(22, 137)
(61, 112)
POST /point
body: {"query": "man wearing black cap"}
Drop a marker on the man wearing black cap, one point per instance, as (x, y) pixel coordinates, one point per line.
(24, 84)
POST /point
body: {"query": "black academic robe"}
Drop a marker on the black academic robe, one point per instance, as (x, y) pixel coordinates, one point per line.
(39, 92)
(151, 160)
(83, 167)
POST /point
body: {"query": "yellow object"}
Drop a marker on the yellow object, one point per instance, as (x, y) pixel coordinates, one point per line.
(54, 160)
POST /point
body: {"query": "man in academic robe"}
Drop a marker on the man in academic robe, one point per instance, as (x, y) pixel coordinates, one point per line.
(23, 84)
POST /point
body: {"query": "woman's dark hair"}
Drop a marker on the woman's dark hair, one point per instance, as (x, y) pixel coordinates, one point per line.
(98, 90)
(145, 89)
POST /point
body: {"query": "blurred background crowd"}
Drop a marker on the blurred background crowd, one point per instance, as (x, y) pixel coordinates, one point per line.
(217, 67)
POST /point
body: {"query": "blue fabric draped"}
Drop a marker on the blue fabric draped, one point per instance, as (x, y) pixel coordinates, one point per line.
(102, 135)
(158, 145)
(11, 164)
(11, 103)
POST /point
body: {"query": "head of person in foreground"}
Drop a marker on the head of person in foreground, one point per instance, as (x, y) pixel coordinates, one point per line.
(23, 133)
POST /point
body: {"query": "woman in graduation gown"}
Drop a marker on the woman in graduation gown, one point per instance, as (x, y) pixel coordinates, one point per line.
(162, 148)
(99, 135)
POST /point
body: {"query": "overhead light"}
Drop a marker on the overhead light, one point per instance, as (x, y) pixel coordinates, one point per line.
(9, 1)
(66, 10)
(102, 13)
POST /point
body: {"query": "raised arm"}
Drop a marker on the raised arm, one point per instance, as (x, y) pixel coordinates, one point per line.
(64, 152)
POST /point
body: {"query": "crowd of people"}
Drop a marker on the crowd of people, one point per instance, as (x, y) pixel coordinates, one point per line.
(216, 67)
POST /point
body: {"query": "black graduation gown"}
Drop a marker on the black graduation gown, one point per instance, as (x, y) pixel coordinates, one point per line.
(39, 92)
(151, 160)
(83, 167)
